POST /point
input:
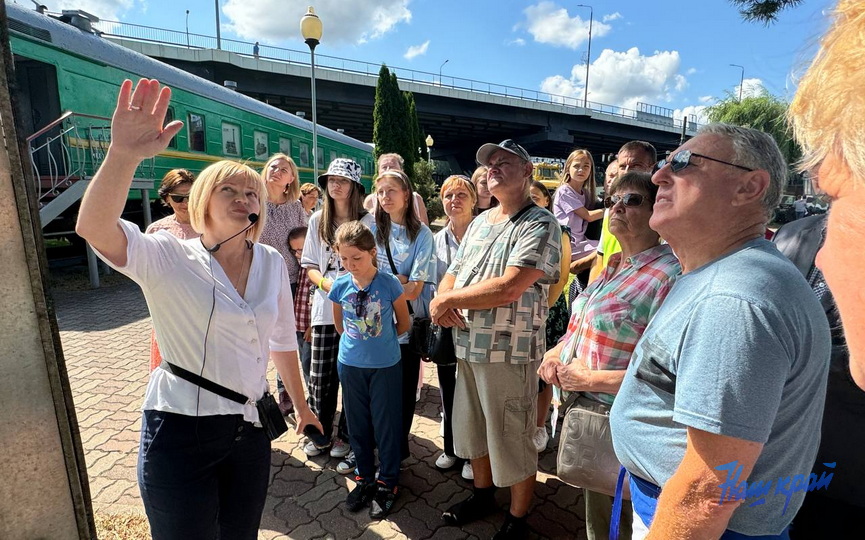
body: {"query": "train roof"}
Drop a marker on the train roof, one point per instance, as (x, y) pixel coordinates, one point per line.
(88, 45)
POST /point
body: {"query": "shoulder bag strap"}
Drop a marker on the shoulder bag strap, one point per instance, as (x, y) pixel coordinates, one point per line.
(395, 273)
(207, 384)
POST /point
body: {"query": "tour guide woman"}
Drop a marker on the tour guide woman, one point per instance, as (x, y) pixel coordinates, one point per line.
(220, 305)
(609, 317)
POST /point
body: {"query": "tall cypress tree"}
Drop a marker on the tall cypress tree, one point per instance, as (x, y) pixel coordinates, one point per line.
(388, 110)
(419, 142)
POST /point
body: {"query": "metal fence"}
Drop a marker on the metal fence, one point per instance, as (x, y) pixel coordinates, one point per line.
(301, 57)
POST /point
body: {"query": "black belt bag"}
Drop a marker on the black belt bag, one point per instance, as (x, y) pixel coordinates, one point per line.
(268, 411)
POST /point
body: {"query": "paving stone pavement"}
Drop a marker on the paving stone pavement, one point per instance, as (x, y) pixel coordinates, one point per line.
(105, 335)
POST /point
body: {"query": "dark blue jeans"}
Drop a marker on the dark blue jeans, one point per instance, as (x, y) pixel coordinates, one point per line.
(373, 408)
(202, 478)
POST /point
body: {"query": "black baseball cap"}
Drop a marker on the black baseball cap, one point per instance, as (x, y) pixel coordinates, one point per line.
(508, 145)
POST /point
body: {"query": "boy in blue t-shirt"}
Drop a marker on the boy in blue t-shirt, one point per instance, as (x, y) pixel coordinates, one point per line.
(366, 303)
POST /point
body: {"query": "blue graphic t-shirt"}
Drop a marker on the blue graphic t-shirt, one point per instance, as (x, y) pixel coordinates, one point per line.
(369, 337)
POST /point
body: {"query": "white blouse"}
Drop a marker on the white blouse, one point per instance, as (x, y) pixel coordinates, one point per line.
(182, 284)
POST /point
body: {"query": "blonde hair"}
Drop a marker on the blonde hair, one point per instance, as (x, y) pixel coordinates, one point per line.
(458, 180)
(828, 111)
(589, 184)
(214, 176)
(305, 189)
(292, 190)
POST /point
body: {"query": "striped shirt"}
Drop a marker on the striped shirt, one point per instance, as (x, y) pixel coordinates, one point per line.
(609, 317)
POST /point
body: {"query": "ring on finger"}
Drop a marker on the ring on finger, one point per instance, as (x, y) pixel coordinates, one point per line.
(134, 107)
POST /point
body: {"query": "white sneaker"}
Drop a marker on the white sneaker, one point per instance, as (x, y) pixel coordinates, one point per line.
(348, 465)
(445, 462)
(311, 450)
(339, 449)
(541, 438)
(468, 473)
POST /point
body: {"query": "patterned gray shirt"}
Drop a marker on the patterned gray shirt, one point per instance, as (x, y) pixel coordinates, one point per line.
(512, 333)
(281, 220)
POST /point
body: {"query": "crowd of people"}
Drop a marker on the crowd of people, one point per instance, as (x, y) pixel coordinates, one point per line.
(718, 357)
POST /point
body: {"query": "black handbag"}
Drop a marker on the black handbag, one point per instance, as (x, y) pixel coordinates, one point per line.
(441, 346)
(268, 411)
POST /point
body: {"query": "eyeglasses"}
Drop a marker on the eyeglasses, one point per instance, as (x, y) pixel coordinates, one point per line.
(359, 304)
(297, 252)
(682, 159)
(178, 198)
(628, 199)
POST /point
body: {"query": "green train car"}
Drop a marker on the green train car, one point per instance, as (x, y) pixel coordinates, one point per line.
(63, 71)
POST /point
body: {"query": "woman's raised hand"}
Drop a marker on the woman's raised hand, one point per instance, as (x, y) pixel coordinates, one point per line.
(136, 127)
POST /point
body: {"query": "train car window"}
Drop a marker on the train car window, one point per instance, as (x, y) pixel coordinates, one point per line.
(261, 145)
(304, 154)
(169, 117)
(320, 156)
(285, 146)
(230, 139)
(332, 155)
(196, 132)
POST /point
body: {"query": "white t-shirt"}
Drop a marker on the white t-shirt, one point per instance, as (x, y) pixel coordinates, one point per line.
(181, 291)
(317, 254)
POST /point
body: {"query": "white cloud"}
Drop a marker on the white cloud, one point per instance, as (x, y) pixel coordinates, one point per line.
(623, 79)
(750, 88)
(611, 17)
(706, 99)
(110, 10)
(518, 42)
(550, 24)
(692, 112)
(276, 21)
(691, 71)
(416, 50)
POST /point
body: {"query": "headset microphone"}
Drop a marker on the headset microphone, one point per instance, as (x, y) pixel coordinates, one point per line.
(252, 219)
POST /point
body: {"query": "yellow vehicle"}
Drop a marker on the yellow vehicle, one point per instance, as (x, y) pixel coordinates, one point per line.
(547, 173)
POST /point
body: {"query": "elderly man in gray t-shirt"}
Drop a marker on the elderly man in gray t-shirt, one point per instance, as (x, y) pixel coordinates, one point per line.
(728, 381)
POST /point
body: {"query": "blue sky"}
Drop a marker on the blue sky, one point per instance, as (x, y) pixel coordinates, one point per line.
(673, 54)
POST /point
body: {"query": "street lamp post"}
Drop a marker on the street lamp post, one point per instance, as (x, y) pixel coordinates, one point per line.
(187, 28)
(310, 29)
(218, 35)
(741, 80)
(429, 143)
(588, 54)
(440, 70)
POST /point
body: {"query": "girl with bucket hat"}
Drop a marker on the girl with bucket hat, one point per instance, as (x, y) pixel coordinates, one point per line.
(342, 203)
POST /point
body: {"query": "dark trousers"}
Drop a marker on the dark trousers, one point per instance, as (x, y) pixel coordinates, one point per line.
(202, 478)
(410, 363)
(304, 354)
(324, 381)
(373, 412)
(823, 517)
(447, 383)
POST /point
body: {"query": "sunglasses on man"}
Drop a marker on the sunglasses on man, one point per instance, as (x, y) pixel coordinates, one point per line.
(178, 198)
(682, 159)
(628, 199)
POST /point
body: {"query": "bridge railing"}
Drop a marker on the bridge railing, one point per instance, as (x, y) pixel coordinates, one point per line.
(190, 40)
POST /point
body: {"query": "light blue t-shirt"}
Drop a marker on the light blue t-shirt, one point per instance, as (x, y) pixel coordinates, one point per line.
(413, 259)
(369, 334)
(740, 348)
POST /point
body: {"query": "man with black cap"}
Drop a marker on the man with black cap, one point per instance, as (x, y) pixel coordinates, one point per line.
(494, 295)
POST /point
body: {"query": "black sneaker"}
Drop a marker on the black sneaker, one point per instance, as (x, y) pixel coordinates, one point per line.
(513, 528)
(382, 502)
(471, 509)
(360, 496)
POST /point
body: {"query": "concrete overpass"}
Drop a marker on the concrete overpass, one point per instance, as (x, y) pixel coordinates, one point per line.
(460, 114)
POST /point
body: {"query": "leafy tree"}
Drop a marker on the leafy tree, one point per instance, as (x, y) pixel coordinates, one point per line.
(388, 115)
(424, 183)
(764, 11)
(418, 139)
(764, 112)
